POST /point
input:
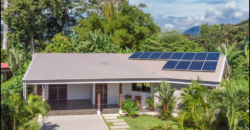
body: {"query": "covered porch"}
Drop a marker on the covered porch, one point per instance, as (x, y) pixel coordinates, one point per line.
(79, 107)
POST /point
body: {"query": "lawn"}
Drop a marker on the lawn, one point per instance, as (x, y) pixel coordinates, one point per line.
(144, 121)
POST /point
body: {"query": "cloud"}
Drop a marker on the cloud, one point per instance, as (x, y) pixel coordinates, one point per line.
(168, 26)
(229, 12)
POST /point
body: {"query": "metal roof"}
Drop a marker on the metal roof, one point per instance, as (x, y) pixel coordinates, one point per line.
(75, 67)
(84, 66)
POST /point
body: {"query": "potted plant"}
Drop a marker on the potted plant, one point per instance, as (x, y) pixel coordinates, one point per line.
(150, 103)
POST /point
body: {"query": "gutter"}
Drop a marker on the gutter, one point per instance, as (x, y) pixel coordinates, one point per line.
(118, 81)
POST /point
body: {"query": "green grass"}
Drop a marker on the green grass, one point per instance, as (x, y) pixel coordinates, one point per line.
(143, 122)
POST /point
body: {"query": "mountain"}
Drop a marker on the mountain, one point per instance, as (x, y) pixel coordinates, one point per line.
(193, 31)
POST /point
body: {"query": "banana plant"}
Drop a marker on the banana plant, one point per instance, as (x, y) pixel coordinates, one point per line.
(245, 48)
(97, 42)
(229, 51)
(130, 107)
(76, 45)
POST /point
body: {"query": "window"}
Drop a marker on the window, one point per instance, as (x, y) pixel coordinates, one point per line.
(141, 87)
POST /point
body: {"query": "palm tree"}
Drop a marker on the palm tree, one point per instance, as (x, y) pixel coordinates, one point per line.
(23, 111)
(167, 98)
(197, 105)
(230, 99)
(15, 57)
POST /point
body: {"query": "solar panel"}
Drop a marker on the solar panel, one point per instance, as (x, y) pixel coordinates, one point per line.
(155, 55)
(145, 55)
(196, 65)
(135, 55)
(170, 65)
(210, 65)
(183, 65)
(188, 56)
(213, 56)
(177, 55)
(166, 55)
(200, 56)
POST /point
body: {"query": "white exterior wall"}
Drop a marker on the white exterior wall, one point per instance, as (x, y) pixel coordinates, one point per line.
(127, 90)
(78, 91)
(113, 93)
(177, 93)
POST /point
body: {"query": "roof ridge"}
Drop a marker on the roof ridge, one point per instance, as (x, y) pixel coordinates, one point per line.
(140, 66)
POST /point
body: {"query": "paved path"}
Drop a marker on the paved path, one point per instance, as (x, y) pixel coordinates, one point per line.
(74, 122)
(118, 124)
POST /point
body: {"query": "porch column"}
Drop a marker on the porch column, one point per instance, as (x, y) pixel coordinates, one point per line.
(43, 92)
(24, 91)
(98, 100)
(120, 97)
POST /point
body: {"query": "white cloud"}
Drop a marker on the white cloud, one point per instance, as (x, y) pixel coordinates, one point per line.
(230, 12)
(168, 26)
(183, 15)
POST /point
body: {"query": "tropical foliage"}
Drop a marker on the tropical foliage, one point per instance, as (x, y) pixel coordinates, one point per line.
(167, 99)
(171, 41)
(150, 102)
(130, 107)
(232, 101)
(20, 112)
(161, 127)
(197, 106)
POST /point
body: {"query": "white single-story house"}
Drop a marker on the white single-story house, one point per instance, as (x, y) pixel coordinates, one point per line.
(105, 78)
(4, 70)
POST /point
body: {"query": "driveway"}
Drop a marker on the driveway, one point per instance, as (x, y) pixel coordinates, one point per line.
(74, 122)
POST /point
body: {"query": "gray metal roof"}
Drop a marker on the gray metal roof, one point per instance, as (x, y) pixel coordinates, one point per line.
(58, 67)
(84, 66)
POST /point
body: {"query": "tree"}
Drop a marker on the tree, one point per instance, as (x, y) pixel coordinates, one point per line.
(232, 100)
(5, 30)
(128, 28)
(27, 19)
(171, 41)
(167, 98)
(213, 35)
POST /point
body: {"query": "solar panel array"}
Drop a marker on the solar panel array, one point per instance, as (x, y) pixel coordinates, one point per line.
(193, 61)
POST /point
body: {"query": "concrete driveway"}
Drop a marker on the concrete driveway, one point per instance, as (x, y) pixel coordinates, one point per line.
(74, 122)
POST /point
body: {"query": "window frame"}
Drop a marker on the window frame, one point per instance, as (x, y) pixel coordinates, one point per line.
(141, 88)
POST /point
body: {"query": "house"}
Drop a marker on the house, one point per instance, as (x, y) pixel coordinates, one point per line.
(100, 80)
(4, 70)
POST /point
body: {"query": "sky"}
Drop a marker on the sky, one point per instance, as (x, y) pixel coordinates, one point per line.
(182, 15)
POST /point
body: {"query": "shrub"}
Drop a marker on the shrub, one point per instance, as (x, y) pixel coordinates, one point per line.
(130, 107)
(162, 127)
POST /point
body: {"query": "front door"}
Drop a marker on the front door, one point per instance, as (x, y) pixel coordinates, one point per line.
(103, 93)
(57, 91)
